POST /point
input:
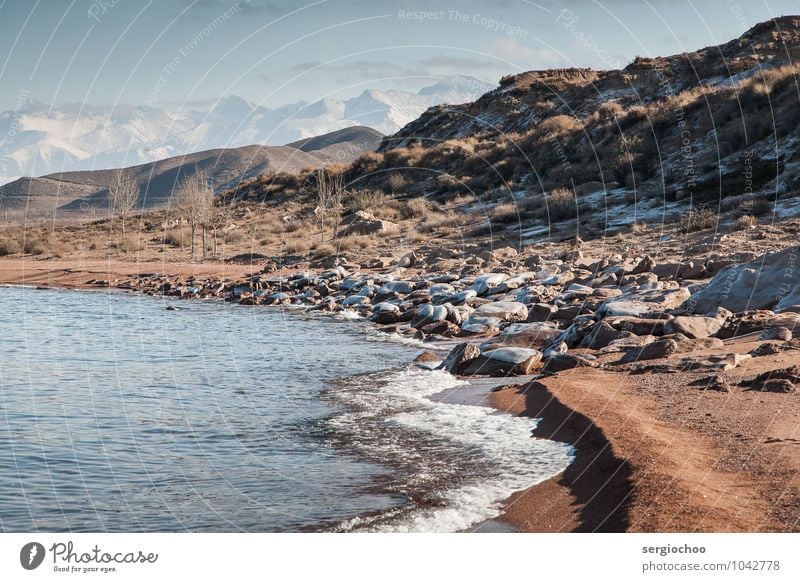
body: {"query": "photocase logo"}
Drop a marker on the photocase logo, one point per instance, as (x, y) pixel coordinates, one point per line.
(31, 555)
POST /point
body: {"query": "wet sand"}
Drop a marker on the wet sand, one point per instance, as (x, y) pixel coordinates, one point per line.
(654, 454)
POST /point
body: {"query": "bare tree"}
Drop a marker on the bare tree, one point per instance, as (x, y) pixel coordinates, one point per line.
(195, 198)
(218, 217)
(329, 193)
(123, 194)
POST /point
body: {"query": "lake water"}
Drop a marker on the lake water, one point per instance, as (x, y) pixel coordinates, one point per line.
(119, 413)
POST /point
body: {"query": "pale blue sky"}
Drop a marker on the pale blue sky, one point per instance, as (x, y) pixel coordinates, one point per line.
(276, 51)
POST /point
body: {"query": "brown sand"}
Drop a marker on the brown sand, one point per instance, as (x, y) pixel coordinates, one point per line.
(656, 454)
(74, 273)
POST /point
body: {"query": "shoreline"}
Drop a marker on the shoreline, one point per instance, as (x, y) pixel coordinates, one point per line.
(640, 463)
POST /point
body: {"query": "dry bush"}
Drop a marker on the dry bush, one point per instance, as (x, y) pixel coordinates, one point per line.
(323, 250)
(504, 213)
(446, 183)
(355, 242)
(638, 228)
(9, 245)
(560, 204)
(559, 125)
(233, 236)
(746, 222)
(697, 219)
(297, 245)
(610, 111)
(367, 200)
(415, 208)
(397, 183)
(129, 244)
(178, 237)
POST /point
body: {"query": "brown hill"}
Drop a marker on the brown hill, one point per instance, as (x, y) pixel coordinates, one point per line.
(75, 191)
(344, 145)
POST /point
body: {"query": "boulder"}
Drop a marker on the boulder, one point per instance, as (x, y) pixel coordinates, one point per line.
(771, 281)
(693, 326)
(459, 357)
(686, 345)
(505, 362)
(355, 300)
(428, 314)
(481, 325)
(363, 223)
(407, 260)
(386, 313)
(442, 328)
(504, 310)
(638, 303)
(637, 325)
(541, 312)
(482, 284)
(759, 321)
(561, 362)
(600, 335)
(785, 380)
(395, 287)
(653, 351)
(524, 335)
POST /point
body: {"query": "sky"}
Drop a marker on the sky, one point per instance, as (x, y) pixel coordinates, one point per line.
(273, 52)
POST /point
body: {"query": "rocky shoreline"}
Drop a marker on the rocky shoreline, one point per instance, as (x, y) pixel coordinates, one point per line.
(729, 325)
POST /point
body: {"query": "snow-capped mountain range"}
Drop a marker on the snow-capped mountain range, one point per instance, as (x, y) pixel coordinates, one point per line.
(36, 139)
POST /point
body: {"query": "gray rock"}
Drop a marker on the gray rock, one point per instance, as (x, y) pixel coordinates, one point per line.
(600, 335)
(541, 312)
(771, 281)
(428, 314)
(396, 287)
(652, 351)
(482, 284)
(386, 313)
(504, 310)
(693, 326)
(505, 362)
(362, 223)
(460, 357)
(561, 362)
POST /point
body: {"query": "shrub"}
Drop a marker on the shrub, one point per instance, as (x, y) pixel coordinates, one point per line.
(9, 246)
(746, 222)
(504, 213)
(561, 204)
(695, 220)
(178, 237)
(367, 200)
(416, 208)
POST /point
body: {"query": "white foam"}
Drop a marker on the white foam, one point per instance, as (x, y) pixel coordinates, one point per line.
(519, 461)
(347, 314)
(396, 338)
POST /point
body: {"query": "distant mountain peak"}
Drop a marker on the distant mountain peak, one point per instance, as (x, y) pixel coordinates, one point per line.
(87, 137)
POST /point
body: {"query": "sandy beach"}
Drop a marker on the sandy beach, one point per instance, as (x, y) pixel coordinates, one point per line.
(76, 273)
(654, 453)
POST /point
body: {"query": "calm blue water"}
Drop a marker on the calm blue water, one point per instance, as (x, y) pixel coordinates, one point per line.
(117, 414)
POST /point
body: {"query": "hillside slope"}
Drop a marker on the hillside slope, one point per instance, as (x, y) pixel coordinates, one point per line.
(560, 153)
